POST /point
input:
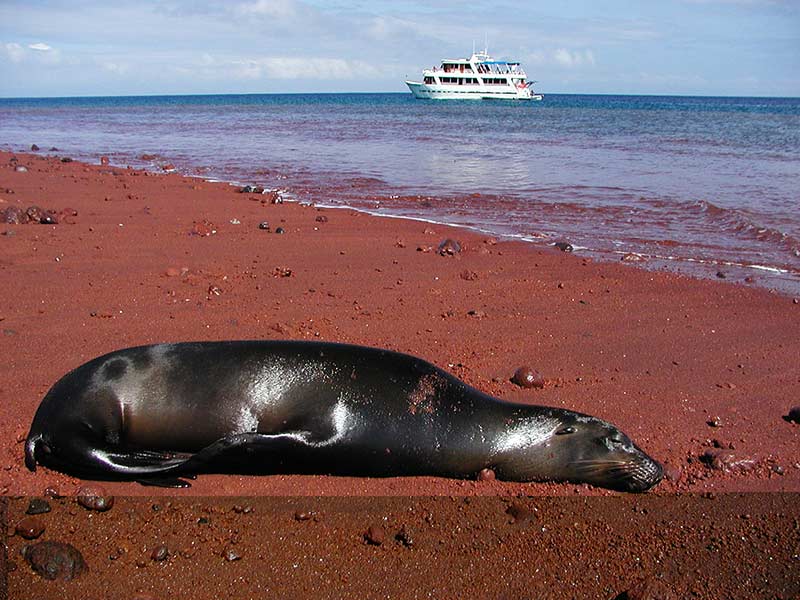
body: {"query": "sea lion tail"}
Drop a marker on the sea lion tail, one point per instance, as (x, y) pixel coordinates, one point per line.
(30, 450)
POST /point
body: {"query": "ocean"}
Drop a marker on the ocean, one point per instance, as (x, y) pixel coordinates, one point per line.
(704, 186)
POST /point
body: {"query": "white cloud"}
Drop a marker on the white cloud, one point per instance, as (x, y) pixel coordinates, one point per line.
(302, 68)
(576, 58)
(277, 9)
(14, 51)
(39, 47)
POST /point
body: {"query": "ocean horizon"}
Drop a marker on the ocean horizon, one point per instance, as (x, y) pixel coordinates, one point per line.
(704, 185)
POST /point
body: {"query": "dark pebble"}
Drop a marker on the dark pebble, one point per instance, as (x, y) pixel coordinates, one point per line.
(38, 506)
(374, 535)
(34, 148)
(519, 513)
(721, 275)
(794, 415)
(404, 537)
(528, 378)
(486, 475)
(160, 553)
(305, 515)
(564, 246)
(280, 230)
(55, 560)
(251, 189)
(49, 218)
(95, 498)
(66, 159)
(239, 509)
(322, 219)
(263, 225)
(30, 528)
(449, 247)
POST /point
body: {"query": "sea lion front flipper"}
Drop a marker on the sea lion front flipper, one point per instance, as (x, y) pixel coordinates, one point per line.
(139, 463)
(279, 443)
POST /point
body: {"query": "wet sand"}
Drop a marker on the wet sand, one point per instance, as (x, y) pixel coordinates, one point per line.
(699, 373)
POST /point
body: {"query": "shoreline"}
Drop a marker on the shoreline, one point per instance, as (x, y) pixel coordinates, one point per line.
(628, 345)
(773, 278)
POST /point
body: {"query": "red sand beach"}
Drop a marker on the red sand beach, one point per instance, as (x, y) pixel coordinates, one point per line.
(699, 373)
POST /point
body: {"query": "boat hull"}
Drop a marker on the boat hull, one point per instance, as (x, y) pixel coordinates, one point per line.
(436, 92)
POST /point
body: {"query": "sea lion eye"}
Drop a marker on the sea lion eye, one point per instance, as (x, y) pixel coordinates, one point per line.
(565, 430)
(616, 440)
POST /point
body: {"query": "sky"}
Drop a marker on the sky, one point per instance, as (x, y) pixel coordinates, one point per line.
(684, 47)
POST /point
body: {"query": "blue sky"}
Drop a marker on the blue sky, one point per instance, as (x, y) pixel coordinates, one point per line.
(88, 47)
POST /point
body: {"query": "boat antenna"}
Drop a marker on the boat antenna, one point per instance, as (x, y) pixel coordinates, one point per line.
(485, 43)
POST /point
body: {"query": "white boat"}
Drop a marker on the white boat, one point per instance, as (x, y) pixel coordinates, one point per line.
(476, 78)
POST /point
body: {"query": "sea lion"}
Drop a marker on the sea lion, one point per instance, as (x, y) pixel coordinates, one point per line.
(158, 413)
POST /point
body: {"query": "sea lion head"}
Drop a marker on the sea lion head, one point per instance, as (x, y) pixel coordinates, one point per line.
(593, 451)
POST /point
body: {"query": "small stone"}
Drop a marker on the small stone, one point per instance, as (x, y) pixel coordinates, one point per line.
(30, 528)
(305, 515)
(49, 218)
(404, 537)
(34, 213)
(794, 415)
(526, 377)
(34, 148)
(727, 462)
(486, 475)
(55, 560)
(519, 513)
(280, 230)
(263, 225)
(203, 229)
(230, 554)
(168, 167)
(632, 257)
(721, 275)
(51, 492)
(374, 535)
(95, 498)
(715, 422)
(321, 219)
(564, 246)
(448, 247)
(66, 159)
(104, 160)
(160, 553)
(21, 169)
(468, 275)
(38, 506)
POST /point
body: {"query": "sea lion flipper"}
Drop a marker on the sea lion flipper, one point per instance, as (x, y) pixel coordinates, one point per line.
(140, 463)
